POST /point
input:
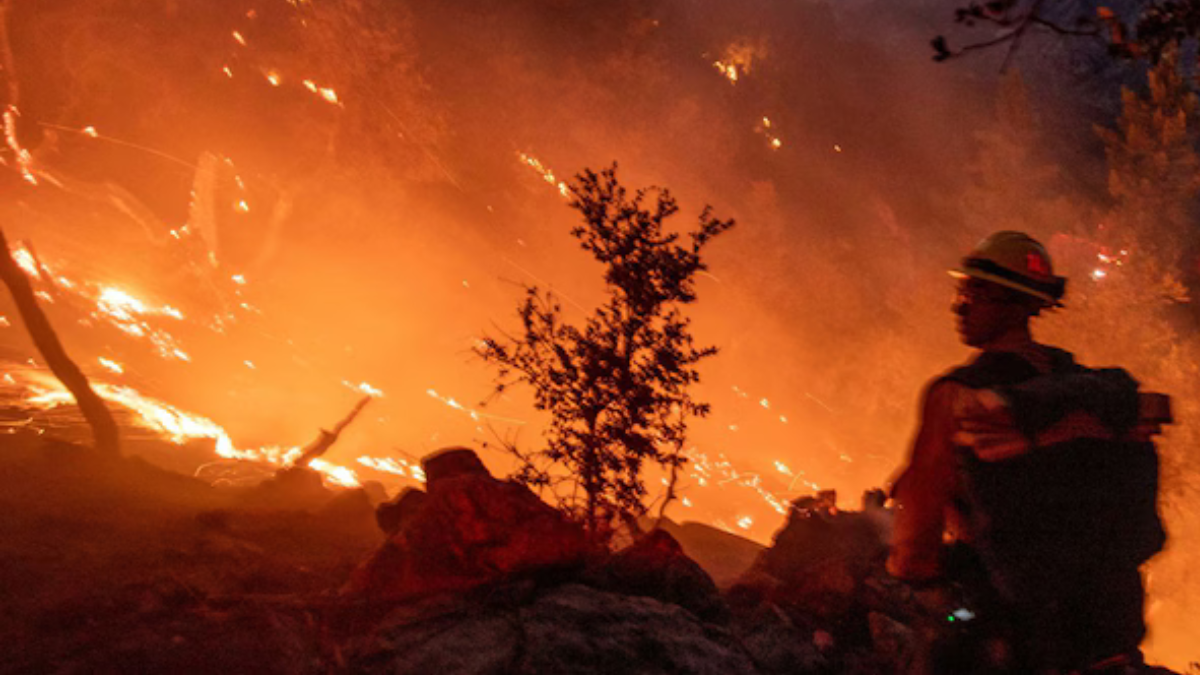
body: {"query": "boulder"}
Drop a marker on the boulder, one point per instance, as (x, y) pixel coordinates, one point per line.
(469, 530)
(656, 566)
(818, 567)
(569, 628)
(724, 555)
(452, 462)
(395, 514)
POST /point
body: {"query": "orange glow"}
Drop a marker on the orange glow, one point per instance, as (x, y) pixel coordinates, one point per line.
(179, 426)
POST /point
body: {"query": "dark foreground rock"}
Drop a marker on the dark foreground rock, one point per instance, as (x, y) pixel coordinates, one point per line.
(569, 628)
(655, 566)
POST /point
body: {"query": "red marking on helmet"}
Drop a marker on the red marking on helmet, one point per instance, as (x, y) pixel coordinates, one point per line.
(1036, 264)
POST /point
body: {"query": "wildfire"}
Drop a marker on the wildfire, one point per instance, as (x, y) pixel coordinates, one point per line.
(25, 261)
(23, 157)
(393, 465)
(738, 59)
(729, 70)
(547, 174)
(364, 388)
(180, 427)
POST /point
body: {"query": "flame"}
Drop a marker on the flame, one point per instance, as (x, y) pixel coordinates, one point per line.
(25, 261)
(274, 78)
(90, 131)
(363, 387)
(180, 426)
(738, 59)
(111, 365)
(547, 174)
(393, 465)
(23, 157)
(471, 412)
(238, 37)
(729, 70)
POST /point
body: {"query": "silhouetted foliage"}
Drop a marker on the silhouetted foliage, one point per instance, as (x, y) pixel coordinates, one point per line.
(617, 386)
(1153, 30)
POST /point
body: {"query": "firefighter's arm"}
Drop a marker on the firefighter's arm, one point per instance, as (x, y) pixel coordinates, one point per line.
(924, 491)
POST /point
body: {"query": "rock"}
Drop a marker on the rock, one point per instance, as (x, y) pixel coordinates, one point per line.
(655, 566)
(436, 638)
(452, 462)
(395, 514)
(348, 506)
(470, 530)
(295, 487)
(375, 491)
(568, 629)
(823, 547)
(776, 645)
(818, 568)
(724, 556)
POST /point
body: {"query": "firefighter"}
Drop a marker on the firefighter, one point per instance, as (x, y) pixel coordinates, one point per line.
(1043, 471)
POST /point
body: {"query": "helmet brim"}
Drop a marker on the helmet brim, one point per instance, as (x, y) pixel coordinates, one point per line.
(959, 273)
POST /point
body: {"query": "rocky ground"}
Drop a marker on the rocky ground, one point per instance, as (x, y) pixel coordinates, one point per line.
(117, 566)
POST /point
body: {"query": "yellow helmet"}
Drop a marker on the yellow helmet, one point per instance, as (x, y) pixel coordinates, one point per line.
(1017, 261)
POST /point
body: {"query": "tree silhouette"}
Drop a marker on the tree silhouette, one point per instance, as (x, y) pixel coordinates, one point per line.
(617, 386)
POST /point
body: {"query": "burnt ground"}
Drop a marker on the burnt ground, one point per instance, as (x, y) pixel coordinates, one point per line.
(116, 565)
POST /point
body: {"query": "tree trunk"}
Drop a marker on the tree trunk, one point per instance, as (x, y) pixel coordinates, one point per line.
(104, 428)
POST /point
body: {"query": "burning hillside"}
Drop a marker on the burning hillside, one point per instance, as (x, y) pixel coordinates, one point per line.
(245, 217)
